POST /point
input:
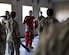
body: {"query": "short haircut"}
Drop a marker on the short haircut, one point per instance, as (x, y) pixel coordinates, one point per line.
(13, 14)
(41, 12)
(50, 12)
(7, 11)
(30, 11)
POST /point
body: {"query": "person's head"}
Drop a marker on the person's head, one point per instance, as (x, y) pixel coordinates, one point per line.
(50, 12)
(30, 13)
(6, 12)
(13, 14)
(40, 13)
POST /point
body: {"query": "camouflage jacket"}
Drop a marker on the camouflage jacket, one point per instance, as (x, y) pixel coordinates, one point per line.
(51, 20)
(40, 23)
(15, 28)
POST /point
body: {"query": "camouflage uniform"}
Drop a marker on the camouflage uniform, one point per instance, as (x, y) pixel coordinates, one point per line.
(14, 39)
(49, 21)
(40, 24)
(55, 41)
(2, 39)
(46, 22)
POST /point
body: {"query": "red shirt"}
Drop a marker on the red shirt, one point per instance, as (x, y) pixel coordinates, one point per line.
(29, 20)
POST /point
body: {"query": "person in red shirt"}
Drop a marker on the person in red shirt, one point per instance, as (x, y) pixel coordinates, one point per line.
(29, 33)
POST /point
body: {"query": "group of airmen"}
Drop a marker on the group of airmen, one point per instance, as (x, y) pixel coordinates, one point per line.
(53, 35)
(9, 31)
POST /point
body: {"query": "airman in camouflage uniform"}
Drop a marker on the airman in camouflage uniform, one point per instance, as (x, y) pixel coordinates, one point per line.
(13, 35)
(55, 41)
(3, 33)
(40, 23)
(48, 21)
(2, 39)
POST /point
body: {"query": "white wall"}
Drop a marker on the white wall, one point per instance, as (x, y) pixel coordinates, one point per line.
(59, 0)
(61, 10)
(17, 6)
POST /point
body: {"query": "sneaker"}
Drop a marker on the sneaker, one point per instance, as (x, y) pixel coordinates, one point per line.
(31, 47)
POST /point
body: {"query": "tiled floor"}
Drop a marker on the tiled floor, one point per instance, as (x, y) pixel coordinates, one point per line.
(22, 50)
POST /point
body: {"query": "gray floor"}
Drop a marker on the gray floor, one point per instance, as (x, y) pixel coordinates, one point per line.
(22, 50)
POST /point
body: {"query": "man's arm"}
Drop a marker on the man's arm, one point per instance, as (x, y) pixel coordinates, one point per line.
(25, 20)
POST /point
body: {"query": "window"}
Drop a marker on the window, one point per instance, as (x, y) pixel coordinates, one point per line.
(5, 7)
(25, 11)
(43, 9)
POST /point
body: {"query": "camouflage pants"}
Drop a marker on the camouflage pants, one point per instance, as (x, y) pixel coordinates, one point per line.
(13, 44)
(2, 44)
